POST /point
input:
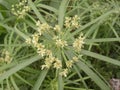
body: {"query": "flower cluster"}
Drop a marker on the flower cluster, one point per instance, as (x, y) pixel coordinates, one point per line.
(59, 42)
(42, 27)
(50, 60)
(44, 45)
(5, 57)
(69, 65)
(41, 50)
(64, 72)
(72, 22)
(78, 43)
(39, 46)
(20, 9)
(57, 28)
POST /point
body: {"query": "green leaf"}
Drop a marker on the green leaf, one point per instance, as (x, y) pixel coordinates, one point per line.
(36, 11)
(14, 83)
(18, 67)
(102, 40)
(5, 4)
(102, 17)
(48, 8)
(92, 75)
(101, 57)
(61, 12)
(22, 79)
(40, 79)
(60, 83)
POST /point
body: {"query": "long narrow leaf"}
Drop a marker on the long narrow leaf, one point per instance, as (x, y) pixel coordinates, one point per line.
(19, 67)
(36, 11)
(94, 21)
(62, 10)
(40, 80)
(93, 76)
(102, 40)
(60, 83)
(101, 57)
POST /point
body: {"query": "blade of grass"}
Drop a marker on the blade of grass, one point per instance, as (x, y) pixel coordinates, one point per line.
(48, 8)
(36, 11)
(60, 83)
(92, 75)
(14, 83)
(20, 33)
(40, 79)
(79, 74)
(18, 67)
(94, 21)
(61, 12)
(101, 57)
(5, 4)
(102, 40)
(114, 31)
(22, 79)
(8, 84)
(3, 67)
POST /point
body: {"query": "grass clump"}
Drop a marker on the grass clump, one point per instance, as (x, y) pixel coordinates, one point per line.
(59, 44)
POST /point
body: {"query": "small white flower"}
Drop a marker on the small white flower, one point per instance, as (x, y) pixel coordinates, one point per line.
(64, 72)
(28, 41)
(69, 63)
(57, 64)
(61, 43)
(41, 52)
(75, 59)
(57, 28)
(78, 43)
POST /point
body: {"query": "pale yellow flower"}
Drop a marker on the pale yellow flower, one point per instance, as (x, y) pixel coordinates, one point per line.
(69, 63)
(38, 23)
(78, 43)
(48, 62)
(28, 41)
(72, 22)
(57, 28)
(61, 43)
(35, 38)
(42, 27)
(75, 22)
(45, 66)
(76, 18)
(75, 59)
(41, 49)
(40, 46)
(45, 26)
(57, 64)
(64, 72)
(41, 52)
(20, 9)
(6, 57)
(67, 22)
(49, 53)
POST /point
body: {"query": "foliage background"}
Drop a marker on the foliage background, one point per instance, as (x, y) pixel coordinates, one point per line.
(100, 23)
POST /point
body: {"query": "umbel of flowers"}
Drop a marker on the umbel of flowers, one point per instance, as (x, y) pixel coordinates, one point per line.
(20, 9)
(51, 43)
(5, 57)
